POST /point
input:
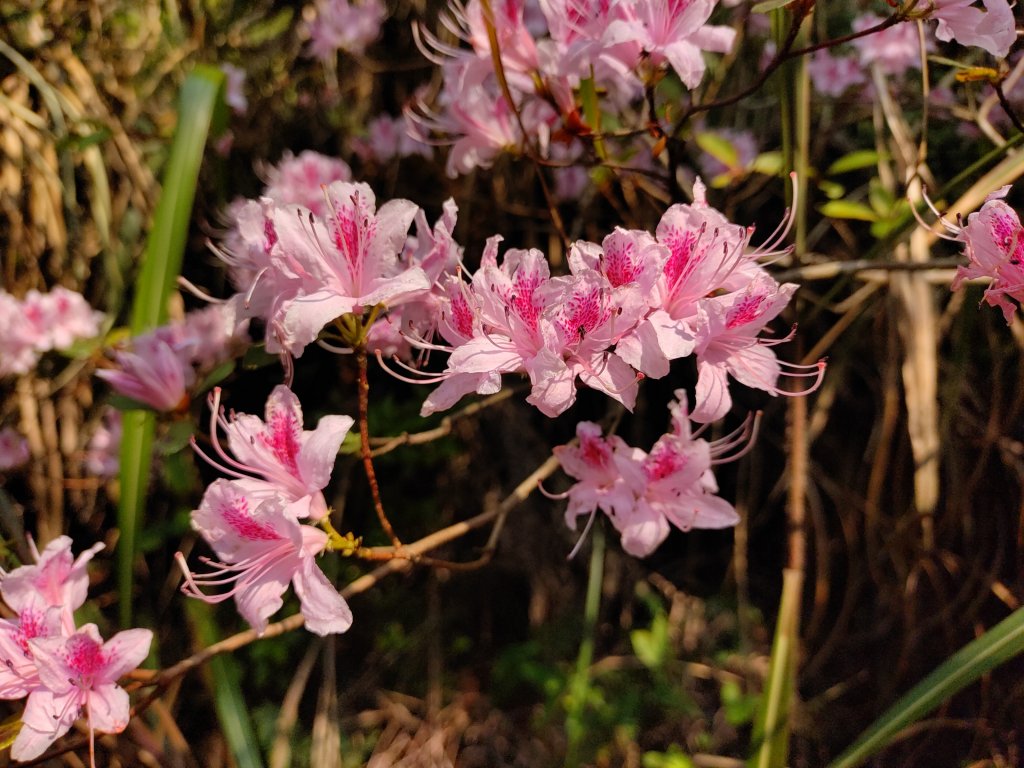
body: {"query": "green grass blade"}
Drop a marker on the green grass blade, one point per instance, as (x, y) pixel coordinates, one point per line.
(997, 646)
(225, 683)
(165, 248)
(771, 730)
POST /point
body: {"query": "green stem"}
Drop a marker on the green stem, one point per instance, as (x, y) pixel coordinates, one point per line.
(579, 686)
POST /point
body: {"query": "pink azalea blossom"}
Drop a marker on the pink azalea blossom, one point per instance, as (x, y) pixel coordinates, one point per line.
(234, 88)
(993, 28)
(300, 179)
(20, 340)
(102, 454)
(263, 548)
(44, 597)
(895, 49)
(340, 25)
(60, 318)
(78, 672)
(348, 265)
(834, 75)
(14, 450)
(675, 31)
(994, 246)
(644, 494)
(275, 456)
(151, 372)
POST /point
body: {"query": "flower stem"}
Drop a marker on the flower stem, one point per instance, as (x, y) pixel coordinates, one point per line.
(364, 439)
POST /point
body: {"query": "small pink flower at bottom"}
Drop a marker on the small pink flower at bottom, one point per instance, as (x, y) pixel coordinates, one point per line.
(262, 549)
(78, 673)
(151, 373)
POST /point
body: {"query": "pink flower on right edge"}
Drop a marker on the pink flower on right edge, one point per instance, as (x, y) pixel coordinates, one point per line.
(994, 241)
(992, 28)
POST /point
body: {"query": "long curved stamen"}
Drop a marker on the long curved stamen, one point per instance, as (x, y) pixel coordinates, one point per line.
(746, 438)
(420, 343)
(583, 536)
(816, 371)
(435, 380)
(549, 495)
(220, 467)
(252, 287)
(198, 292)
(331, 348)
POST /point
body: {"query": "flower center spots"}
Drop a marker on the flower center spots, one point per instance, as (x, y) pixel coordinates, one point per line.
(662, 462)
(582, 314)
(522, 302)
(462, 315)
(595, 452)
(681, 262)
(269, 234)
(282, 438)
(620, 266)
(30, 625)
(746, 310)
(1009, 235)
(85, 657)
(236, 514)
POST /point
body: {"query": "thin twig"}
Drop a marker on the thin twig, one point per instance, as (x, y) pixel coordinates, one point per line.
(364, 435)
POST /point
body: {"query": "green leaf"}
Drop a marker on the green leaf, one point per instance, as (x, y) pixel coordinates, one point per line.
(847, 209)
(739, 706)
(768, 163)
(674, 757)
(165, 248)
(854, 161)
(882, 201)
(225, 684)
(770, 5)
(651, 645)
(997, 646)
(771, 729)
(216, 376)
(720, 148)
(175, 437)
(831, 189)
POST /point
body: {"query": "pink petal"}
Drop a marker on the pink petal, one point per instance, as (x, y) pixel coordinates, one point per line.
(324, 609)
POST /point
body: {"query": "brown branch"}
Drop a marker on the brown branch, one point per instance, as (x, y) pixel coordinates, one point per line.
(364, 435)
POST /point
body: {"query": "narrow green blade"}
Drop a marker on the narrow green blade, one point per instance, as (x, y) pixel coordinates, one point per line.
(997, 646)
(232, 711)
(165, 248)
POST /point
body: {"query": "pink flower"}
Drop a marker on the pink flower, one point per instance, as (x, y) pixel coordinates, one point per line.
(675, 31)
(14, 450)
(60, 318)
(20, 340)
(78, 672)
(102, 454)
(151, 373)
(277, 457)
(993, 28)
(234, 88)
(994, 246)
(833, 75)
(644, 494)
(895, 49)
(340, 25)
(348, 266)
(300, 179)
(262, 548)
(44, 596)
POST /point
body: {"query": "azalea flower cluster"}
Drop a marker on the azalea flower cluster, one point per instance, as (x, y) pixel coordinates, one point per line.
(59, 668)
(644, 493)
(994, 245)
(630, 306)
(547, 50)
(256, 522)
(159, 368)
(42, 322)
(299, 270)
